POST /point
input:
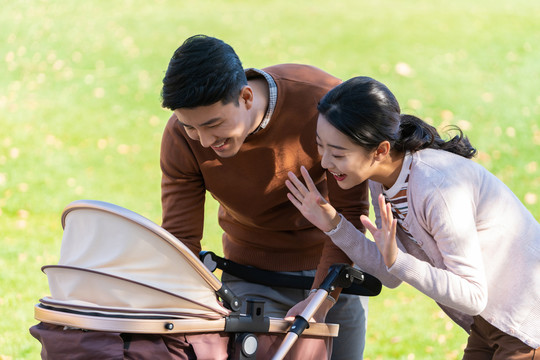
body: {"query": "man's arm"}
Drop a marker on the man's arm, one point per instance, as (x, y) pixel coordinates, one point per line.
(182, 189)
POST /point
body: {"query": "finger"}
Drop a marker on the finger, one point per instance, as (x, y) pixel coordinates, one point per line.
(291, 314)
(309, 181)
(391, 218)
(368, 224)
(294, 191)
(294, 201)
(386, 213)
(393, 230)
(291, 175)
(382, 209)
(297, 183)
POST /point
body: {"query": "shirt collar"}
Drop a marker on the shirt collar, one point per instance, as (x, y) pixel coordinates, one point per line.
(272, 90)
(402, 180)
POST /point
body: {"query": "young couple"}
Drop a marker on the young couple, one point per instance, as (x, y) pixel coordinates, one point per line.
(444, 224)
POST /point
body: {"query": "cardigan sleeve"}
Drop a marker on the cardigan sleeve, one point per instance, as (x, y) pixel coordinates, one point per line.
(351, 204)
(363, 252)
(447, 221)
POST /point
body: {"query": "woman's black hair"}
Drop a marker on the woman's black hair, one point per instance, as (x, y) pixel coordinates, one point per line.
(201, 72)
(368, 113)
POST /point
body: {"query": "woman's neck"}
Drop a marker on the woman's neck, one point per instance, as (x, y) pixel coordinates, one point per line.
(391, 168)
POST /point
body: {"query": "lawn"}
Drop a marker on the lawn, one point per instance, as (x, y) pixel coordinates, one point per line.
(80, 115)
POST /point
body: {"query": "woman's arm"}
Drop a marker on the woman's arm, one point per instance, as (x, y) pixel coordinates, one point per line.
(353, 242)
(448, 222)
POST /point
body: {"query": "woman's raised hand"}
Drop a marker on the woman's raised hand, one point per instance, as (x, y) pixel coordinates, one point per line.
(310, 202)
(385, 237)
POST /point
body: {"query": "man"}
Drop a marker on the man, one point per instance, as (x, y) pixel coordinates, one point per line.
(236, 133)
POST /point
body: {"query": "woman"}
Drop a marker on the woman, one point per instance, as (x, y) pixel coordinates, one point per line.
(444, 224)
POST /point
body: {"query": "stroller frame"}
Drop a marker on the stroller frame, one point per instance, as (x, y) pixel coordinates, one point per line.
(243, 326)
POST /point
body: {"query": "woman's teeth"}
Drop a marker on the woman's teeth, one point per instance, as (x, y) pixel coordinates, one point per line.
(338, 176)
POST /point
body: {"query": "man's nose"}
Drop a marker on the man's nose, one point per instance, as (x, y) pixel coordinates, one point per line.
(206, 139)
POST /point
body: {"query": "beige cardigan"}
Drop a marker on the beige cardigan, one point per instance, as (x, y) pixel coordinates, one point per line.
(478, 247)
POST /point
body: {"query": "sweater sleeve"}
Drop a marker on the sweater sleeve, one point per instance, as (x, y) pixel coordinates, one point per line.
(182, 189)
(449, 219)
(363, 252)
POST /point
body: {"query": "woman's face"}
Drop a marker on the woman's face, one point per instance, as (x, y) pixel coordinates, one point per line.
(349, 163)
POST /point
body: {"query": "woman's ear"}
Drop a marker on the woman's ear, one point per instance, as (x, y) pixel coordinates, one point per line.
(382, 151)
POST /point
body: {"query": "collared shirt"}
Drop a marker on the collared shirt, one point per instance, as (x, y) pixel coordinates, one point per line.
(397, 195)
(272, 88)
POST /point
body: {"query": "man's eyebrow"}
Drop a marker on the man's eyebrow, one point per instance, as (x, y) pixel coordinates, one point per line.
(206, 123)
(333, 146)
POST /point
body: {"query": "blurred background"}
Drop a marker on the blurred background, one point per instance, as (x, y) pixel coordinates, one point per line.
(80, 115)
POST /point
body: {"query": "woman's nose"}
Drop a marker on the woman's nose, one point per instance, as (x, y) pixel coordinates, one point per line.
(325, 162)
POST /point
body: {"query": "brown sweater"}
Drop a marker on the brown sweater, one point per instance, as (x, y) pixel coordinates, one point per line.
(261, 227)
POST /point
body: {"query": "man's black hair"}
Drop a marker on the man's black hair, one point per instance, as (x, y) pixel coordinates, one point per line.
(202, 71)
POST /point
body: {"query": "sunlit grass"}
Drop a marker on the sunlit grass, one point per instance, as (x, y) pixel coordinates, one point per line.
(80, 115)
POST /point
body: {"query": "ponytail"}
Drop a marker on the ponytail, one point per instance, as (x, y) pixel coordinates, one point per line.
(367, 112)
(415, 135)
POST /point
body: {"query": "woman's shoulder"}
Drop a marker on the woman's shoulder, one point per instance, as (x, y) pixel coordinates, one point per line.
(432, 168)
(434, 161)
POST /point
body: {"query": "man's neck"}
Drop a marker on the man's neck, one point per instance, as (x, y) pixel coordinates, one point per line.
(261, 99)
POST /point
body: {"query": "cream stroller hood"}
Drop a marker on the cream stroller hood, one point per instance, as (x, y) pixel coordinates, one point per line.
(124, 283)
(114, 261)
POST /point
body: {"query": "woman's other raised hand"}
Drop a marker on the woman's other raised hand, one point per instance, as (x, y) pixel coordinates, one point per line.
(310, 202)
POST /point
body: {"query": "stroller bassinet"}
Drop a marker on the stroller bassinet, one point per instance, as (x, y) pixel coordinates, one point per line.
(125, 288)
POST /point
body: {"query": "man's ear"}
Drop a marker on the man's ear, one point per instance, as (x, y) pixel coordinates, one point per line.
(246, 96)
(382, 151)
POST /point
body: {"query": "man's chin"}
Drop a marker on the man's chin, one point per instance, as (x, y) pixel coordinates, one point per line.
(226, 153)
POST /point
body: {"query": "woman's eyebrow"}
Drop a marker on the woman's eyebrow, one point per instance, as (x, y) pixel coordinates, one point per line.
(332, 146)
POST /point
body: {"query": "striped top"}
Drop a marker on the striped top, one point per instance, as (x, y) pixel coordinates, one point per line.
(397, 194)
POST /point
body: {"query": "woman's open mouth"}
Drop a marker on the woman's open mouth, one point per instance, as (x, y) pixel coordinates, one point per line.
(338, 176)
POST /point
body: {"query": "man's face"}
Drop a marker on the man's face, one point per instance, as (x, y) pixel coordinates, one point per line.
(224, 128)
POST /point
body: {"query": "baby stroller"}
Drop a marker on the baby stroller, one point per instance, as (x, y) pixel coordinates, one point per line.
(125, 288)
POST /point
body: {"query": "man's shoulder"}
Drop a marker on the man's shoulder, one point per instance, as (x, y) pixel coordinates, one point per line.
(299, 72)
(174, 134)
(173, 125)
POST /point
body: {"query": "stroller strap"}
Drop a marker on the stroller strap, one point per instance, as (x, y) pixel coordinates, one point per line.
(369, 286)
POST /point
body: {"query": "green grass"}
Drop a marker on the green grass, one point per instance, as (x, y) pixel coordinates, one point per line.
(80, 115)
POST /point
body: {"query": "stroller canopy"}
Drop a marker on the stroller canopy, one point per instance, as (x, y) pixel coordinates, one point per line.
(114, 261)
